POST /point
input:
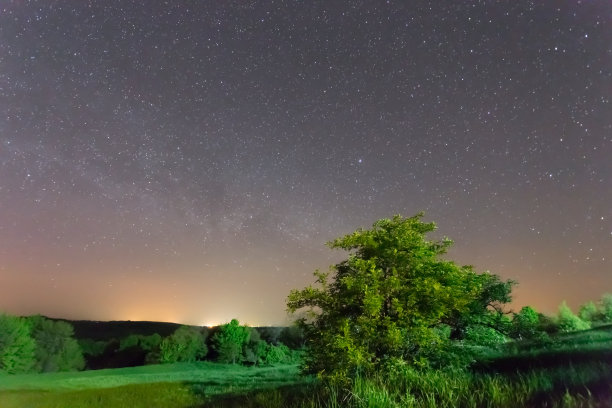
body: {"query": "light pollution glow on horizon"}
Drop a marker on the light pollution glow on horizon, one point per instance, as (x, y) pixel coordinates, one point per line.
(187, 162)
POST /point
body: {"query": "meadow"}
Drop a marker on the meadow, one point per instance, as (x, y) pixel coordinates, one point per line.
(167, 385)
(567, 370)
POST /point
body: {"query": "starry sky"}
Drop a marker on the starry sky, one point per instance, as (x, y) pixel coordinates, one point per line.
(187, 160)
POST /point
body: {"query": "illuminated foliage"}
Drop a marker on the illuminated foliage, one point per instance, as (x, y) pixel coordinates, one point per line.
(386, 302)
(525, 324)
(230, 340)
(16, 345)
(186, 344)
(568, 321)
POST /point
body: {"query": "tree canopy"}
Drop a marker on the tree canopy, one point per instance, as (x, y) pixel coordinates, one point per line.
(186, 344)
(229, 341)
(387, 302)
(56, 348)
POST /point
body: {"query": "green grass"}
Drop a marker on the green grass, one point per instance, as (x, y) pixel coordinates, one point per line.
(172, 385)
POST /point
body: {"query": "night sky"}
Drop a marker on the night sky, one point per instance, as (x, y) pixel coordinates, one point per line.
(187, 160)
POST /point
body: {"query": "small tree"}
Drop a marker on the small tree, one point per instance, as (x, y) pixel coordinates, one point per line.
(229, 341)
(385, 302)
(17, 347)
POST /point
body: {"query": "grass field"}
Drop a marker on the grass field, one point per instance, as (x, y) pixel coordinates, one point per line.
(172, 385)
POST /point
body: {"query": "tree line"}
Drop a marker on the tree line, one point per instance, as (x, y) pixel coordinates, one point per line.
(39, 344)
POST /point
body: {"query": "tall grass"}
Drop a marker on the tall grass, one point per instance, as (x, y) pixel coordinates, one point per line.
(588, 385)
(572, 386)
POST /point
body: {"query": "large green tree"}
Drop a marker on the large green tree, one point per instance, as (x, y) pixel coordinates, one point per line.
(387, 302)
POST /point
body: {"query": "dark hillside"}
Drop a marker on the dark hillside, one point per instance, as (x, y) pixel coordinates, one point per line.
(95, 330)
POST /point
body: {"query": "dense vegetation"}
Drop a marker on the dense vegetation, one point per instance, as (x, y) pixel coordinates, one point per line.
(396, 310)
(394, 301)
(394, 325)
(37, 344)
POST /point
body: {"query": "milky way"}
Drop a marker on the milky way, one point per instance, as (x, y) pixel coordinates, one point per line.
(187, 161)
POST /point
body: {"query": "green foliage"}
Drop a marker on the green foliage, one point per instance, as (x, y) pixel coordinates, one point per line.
(386, 300)
(597, 313)
(568, 321)
(255, 351)
(151, 342)
(547, 324)
(230, 340)
(280, 354)
(486, 310)
(17, 347)
(589, 312)
(92, 348)
(130, 341)
(56, 348)
(606, 308)
(293, 337)
(525, 323)
(186, 344)
(271, 334)
(145, 343)
(484, 336)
